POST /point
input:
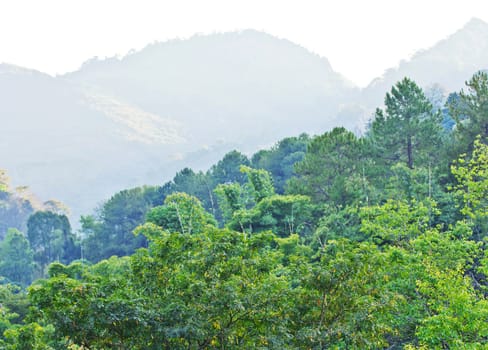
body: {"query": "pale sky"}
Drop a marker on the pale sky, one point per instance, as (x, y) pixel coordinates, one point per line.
(360, 38)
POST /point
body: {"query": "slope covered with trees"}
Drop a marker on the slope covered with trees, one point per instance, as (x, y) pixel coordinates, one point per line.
(186, 103)
(362, 243)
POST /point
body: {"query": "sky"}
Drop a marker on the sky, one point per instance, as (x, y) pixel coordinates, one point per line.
(360, 38)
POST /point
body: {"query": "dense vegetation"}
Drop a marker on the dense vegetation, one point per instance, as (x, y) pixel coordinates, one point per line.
(333, 241)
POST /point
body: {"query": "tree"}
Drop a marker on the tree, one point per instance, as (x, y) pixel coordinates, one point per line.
(230, 198)
(196, 184)
(255, 207)
(228, 169)
(407, 130)
(281, 214)
(280, 160)
(345, 300)
(228, 290)
(457, 312)
(15, 331)
(51, 239)
(260, 183)
(470, 111)
(16, 206)
(110, 231)
(333, 169)
(16, 258)
(181, 213)
(215, 289)
(472, 185)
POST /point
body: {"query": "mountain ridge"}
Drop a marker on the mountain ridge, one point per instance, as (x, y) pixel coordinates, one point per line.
(124, 122)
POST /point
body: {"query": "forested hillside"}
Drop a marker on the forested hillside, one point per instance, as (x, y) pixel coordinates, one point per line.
(133, 120)
(329, 241)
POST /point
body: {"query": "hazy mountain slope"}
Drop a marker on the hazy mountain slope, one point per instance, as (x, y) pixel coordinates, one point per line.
(115, 123)
(244, 87)
(448, 63)
(118, 123)
(55, 142)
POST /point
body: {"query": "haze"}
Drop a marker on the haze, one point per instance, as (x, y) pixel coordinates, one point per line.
(360, 39)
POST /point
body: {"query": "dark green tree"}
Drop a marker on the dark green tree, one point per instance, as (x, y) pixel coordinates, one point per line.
(16, 258)
(280, 160)
(109, 232)
(470, 112)
(228, 169)
(51, 239)
(408, 130)
(197, 184)
(333, 170)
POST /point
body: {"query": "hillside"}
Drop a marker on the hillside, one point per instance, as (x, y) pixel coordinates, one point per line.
(53, 140)
(448, 63)
(233, 87)
(123, 122)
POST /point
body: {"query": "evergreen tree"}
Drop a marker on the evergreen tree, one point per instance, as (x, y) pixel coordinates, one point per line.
(470, 111)
(407, 130)
(16, 258)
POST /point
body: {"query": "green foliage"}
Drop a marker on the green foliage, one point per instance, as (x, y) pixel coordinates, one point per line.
(230, 198)
(412, 184)
(31, 336)
(332, 170)
(457, 313)
(367, 251)
(472, 185)
(336, 223)
(214, 290)
(16, 205)
(396, 221)
(260, 183)
(110, 232)
(51, 239)
(280, 160)
(280, 214)
(346, 300)
(407, 130)
(471, 113)
(16, 258)
(228, 170)
(198, 184)
(284, 215)
(187, 291)
(181, 213)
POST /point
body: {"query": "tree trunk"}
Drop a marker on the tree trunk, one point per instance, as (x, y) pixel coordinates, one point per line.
(409, 152)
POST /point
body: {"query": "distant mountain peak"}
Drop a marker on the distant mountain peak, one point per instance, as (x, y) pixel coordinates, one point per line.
(475, 23)
(229, 44)
(7, 68)
(449, 62)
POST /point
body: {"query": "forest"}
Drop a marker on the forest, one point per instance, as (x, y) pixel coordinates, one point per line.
(334, 241)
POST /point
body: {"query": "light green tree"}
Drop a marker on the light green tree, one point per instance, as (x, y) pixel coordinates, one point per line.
(181, 213)
(472, 178)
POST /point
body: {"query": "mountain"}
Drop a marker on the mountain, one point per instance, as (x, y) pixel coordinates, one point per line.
(247, 88)
(119, 123)
(55, 141)
(447, 64)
